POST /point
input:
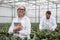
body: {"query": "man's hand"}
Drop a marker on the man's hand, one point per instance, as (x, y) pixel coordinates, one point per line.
(18, 28)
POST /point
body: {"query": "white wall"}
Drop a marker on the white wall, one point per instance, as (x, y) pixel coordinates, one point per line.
(5, 14)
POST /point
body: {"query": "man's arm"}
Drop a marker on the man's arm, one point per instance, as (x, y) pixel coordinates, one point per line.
(54, 24)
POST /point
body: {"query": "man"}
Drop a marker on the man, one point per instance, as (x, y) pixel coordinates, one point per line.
(24, 28)
(48, 22)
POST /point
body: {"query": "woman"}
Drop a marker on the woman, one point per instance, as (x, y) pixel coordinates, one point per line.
(23, 29)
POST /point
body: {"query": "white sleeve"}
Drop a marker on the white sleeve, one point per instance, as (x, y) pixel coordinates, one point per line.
(41, 23)
(10, 31)
(27, 29)
(54, 24)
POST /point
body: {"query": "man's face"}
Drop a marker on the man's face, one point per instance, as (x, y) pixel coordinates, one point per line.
(48, 16)
(21, 11)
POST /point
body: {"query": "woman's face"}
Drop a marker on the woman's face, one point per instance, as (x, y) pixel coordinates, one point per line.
(21, 11)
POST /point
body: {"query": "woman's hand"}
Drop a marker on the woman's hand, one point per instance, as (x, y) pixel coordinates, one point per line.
(18, 28)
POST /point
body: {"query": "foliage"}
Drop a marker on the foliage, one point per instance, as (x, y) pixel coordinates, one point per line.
(50, 35)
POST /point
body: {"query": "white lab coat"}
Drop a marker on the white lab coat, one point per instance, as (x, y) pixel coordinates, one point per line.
(47, 24)
(26, 30)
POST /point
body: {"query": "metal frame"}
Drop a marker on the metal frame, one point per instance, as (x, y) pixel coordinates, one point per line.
(41, 3)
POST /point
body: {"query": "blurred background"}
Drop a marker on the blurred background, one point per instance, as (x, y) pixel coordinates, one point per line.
(35, 9)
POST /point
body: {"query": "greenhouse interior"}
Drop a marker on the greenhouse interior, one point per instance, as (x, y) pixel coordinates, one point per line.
(35, 9)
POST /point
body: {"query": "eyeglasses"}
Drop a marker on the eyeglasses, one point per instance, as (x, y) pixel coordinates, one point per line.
(20, 9)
